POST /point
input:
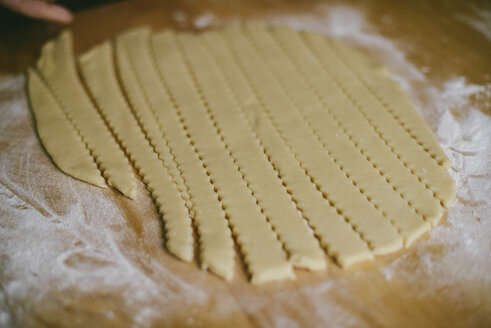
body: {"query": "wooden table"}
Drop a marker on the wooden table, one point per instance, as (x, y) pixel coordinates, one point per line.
(426, 44)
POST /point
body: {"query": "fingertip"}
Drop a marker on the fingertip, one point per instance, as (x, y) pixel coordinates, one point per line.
(61, 15)
(44, 10)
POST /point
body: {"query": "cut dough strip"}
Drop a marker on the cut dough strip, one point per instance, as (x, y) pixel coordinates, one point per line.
(382, 236)
(391, 96)
(262, 252)
(98, 71)
(372, 182)
(60, 137)
(216, 243)
(57, 66)
(394, 136)
(302, 247)
(337, 236)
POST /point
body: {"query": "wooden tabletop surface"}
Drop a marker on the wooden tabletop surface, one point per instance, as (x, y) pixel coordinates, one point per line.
(441, 39)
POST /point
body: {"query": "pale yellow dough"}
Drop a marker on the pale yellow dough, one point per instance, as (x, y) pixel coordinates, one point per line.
(60, 137)
(287, 143)
(98, 71)
(57, 67)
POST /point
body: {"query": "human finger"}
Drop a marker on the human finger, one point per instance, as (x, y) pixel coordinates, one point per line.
(40, 10)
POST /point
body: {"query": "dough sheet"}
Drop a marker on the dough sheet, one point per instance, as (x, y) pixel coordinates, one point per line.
(283, 143)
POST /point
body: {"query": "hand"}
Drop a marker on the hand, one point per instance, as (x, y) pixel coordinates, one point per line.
(40, 9)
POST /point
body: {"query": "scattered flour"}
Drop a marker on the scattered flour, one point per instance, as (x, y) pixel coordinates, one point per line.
(457, 92)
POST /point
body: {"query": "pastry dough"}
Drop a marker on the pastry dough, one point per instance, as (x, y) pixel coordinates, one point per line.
(285, 142)
(391, 96)
(322, 167)
(261, 249)
(216, 244)
(383, 123)
(57, 66)
(264, 181)
(409, 208)
(60, 136)
(99, 74)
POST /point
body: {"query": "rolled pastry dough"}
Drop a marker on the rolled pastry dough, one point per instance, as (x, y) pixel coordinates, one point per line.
(286, 143)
